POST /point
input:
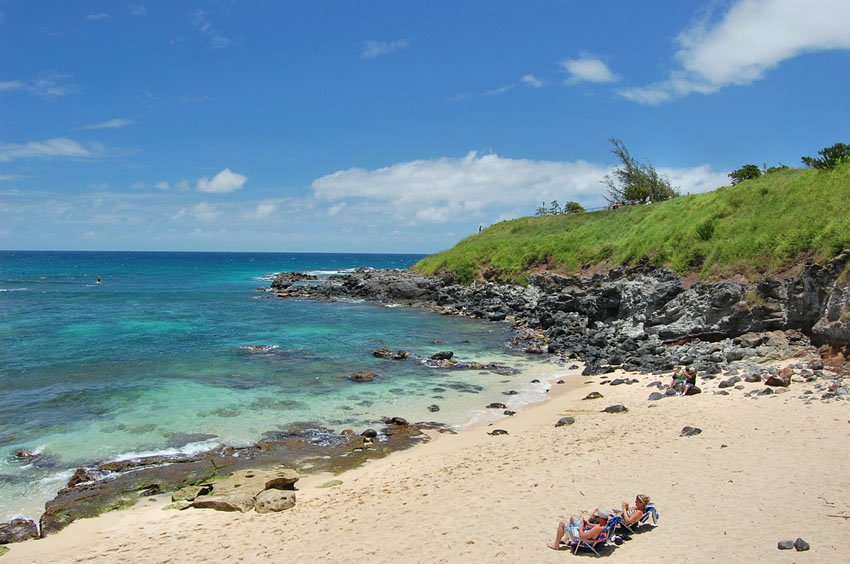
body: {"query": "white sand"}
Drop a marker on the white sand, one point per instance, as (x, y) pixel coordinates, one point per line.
(478, 498)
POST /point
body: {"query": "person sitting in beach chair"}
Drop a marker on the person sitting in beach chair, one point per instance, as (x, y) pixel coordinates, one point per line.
(683, 379)
(633, 514)
(578, 530)
(640, 514)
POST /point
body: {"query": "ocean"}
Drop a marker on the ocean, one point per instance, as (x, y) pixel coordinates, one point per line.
(113, 355)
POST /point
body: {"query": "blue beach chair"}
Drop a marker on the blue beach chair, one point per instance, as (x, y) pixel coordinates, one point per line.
(604, 538)
(649, 514)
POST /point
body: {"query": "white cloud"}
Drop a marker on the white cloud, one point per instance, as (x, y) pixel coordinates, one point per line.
(161, 185)
(696, 179)
(532, 81)
(262, 211)
(8, 177)
(222, 183)
(750, 38)
(587, 69)
(499, 90)
(11, 85)
(202, 23)
(336, 209)
(432, 214)
(182, 185)
(47, 86)
(137, 9)
(109, 124)
(97, 17)
(373, 49)
(58, 147)
(203, 211)
(139, 186)
(455, 189)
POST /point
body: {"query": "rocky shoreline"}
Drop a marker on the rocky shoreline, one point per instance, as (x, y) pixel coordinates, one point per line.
(642, 319)
(106, 486)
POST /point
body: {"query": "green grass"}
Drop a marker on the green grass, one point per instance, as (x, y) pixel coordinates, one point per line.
(761, 226)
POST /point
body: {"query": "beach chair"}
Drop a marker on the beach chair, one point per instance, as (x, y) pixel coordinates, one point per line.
(604, 538)
(649, 514)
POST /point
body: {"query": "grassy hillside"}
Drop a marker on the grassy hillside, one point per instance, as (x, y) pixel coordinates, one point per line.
(760, 226)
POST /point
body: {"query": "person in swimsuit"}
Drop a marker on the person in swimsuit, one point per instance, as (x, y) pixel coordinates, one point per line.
(579, 529)
(632, 515)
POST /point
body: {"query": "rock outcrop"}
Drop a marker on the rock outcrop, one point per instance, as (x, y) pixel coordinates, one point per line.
(18, 530)
(642, 318)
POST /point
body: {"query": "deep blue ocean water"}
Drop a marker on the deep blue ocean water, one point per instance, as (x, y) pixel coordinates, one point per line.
(96, 371)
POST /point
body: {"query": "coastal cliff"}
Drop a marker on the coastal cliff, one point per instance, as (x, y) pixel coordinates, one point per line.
(639, 318)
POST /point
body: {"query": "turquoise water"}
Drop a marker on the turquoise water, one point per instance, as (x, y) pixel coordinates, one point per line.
(96, 371)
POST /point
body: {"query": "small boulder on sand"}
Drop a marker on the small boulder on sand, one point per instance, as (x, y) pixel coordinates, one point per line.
(284, 480)
(274, 500)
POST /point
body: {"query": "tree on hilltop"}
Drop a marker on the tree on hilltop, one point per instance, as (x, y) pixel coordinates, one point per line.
(634, 181)
(573, 207)
(830, 157)
(746, 172)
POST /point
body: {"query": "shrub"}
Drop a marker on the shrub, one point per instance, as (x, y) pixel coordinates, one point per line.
(780, 168)
(830, 157)
(635, 181)
(746, 172)
(705, 230)
(573, 207)
(753, 299)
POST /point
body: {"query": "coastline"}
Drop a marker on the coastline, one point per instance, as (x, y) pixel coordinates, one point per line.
(761, 471)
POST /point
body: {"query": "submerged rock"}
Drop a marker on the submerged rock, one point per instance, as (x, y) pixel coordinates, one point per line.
(81, 475)
(395, 355)
(362, 377)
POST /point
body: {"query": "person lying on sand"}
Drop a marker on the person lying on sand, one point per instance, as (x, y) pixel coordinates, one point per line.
(580, 529)
(632, 515)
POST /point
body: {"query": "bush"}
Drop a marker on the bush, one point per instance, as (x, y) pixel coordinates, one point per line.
(705, 230)
(635, 181)
(830, 157)
(780, 168)
(746, 172)
(573, 207)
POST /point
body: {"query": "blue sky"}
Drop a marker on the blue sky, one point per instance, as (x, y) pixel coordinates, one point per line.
(387, 125)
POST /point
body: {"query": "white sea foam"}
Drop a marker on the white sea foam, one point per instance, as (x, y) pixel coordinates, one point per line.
(62, 476)
(186, 450)
(321, 273)
(13, 289)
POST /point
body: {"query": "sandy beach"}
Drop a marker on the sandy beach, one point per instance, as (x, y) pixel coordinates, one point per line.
(764, 469)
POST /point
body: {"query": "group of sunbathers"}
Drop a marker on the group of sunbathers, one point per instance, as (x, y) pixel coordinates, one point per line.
(576, 529)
